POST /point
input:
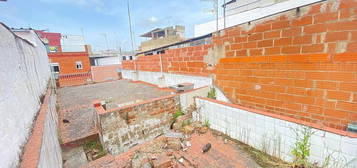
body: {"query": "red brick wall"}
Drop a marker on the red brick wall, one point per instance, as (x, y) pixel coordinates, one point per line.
(105, 73)
(67, 61)
(182, 61)
(74, 79)
(299, 65)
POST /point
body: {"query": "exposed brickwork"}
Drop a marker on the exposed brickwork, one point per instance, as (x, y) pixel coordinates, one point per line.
(181, 61)
(127, 126)
(301, 64)
(67, 61)
(74, 79)
(298, 65)
(32, 149)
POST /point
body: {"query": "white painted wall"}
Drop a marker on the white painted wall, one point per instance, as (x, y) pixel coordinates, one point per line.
(107, 61)
(72, 43)
(168, 80)
(254, 14)
(244, 5)
(188, 98)
(276, 136)
(51, 154)
(24, 73)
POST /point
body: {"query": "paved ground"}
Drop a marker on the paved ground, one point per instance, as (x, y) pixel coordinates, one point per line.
(76, 104)
(222, 154)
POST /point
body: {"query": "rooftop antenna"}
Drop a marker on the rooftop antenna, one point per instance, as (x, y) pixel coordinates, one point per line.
(130, 29)
(224, 14)
(106, 40)
(82, 31)
(214, 10)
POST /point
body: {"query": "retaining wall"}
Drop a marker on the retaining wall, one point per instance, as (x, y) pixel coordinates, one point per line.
(127, 126)
(276, 135)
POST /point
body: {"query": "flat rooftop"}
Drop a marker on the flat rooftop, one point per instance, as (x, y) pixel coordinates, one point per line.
(76, 104)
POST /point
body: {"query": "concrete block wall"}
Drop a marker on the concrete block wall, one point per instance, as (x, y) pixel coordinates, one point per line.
(127, 126)
(277, 135)
(300, 63)
(24, 73)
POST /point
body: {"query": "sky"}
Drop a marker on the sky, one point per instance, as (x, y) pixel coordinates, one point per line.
(98, 18)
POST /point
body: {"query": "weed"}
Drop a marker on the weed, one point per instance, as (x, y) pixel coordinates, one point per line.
(301, 150)
(94, 145)
(177, 114)
(206, 123)
(212, 93)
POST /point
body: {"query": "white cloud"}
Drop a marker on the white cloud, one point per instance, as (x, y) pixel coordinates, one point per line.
(153, 19)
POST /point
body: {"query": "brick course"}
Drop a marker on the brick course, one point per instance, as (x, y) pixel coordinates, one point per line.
(181, 61)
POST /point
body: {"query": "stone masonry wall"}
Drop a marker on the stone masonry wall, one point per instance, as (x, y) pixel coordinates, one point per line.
(122, 128)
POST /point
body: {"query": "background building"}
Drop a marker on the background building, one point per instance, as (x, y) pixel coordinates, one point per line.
(68, 53)
(161, 37)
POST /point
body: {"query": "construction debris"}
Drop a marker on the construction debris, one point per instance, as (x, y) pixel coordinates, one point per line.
(206, 148)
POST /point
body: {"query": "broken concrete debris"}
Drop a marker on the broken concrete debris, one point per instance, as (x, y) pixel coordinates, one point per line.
(206, 148)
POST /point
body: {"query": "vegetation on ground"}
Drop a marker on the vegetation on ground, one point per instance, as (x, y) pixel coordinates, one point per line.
(94, 148)
(212, 93)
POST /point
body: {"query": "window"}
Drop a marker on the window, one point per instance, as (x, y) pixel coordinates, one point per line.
(124, 58)
(79, 65)
(55, 67)
(131, 57)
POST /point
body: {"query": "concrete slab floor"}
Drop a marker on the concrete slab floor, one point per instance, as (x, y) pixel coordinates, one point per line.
(75, 104)
(74, 157)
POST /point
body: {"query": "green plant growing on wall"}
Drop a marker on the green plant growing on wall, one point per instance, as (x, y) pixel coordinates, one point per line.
(206, 123)
(212, 93)
(301, 150)
(177, 114)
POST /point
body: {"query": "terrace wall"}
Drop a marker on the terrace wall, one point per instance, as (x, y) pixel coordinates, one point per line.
(124, 127)
(74, 79)
(300, 63)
